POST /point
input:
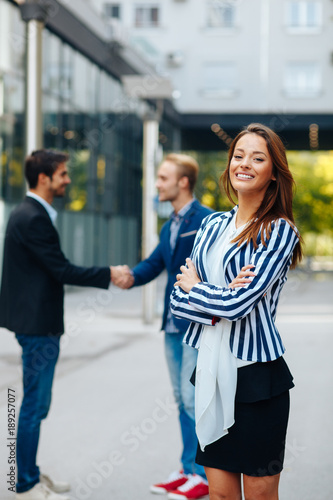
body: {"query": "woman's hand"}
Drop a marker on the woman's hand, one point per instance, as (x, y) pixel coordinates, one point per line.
(188, 277)
(244, 277)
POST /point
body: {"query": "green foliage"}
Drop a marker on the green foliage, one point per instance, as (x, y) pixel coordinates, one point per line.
(313, 202)
(77, 191)
(208, 191)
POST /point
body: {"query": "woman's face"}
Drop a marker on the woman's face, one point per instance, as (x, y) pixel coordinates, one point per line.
(251, 167)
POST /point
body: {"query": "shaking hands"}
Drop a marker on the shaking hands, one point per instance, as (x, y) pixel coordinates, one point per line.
(121, 276)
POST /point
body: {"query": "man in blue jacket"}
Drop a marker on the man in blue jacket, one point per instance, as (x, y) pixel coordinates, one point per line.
(176, 179)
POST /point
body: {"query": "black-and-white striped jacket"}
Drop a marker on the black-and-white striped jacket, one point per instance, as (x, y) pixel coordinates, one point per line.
(252, 309)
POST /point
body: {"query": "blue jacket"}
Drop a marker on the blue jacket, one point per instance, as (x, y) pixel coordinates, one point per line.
(252, 309)
(162, 257)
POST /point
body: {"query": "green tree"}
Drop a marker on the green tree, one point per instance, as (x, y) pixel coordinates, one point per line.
(313, 202)
(208, 191)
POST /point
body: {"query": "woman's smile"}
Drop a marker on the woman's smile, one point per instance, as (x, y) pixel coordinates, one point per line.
(245, 177)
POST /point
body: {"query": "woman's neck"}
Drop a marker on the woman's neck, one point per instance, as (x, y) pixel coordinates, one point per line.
(245, 213)
(248, 205)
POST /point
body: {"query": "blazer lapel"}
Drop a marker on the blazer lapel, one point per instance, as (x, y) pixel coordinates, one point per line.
(166, 242)
(212, 230)
(230, 255)
(183, 228)
(184, 225)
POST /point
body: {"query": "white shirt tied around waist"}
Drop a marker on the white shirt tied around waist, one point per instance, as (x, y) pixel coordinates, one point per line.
(216, 372)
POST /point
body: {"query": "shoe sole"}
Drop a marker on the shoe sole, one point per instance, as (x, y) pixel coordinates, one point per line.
(175, 496)
(64, 489)
(157, 490)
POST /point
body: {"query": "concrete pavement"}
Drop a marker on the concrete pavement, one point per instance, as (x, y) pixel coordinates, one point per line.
(113, 428)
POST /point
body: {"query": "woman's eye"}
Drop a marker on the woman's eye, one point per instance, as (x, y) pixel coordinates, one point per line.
(237, 157)
(259, 159)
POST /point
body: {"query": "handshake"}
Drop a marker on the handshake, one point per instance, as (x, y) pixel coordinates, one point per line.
(122, 277)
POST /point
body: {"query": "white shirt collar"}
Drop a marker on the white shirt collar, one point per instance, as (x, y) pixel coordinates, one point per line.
(183, 211)
(50, 210)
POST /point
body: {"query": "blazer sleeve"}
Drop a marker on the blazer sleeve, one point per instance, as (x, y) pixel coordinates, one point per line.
(270, 263)
(179, 300)
(150, 268)
(182, 309)
(43, 243)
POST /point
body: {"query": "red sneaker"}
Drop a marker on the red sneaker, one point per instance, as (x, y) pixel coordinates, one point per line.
(195, 487)
(174, 481)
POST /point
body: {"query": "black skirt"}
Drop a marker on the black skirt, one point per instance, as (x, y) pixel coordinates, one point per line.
(255, 444)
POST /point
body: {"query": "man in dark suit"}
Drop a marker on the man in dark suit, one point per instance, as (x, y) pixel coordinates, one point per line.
(31, 305)
(176, 179)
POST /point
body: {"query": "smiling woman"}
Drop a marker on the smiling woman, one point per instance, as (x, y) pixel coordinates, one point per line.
(259, 153)
(230, 289)
(250, 171)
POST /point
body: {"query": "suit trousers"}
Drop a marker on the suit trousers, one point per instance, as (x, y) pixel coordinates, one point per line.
(181, 360)
(39, 357)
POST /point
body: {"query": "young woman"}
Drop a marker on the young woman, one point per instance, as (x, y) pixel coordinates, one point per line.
(229, 289)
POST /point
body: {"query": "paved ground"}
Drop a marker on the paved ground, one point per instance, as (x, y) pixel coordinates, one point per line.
(113, 427)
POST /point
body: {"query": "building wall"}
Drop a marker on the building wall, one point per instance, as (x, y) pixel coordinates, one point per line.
(86, 113)
(270, 56)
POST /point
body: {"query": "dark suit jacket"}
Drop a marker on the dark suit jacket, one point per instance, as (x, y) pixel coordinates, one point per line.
(162, 257)
(34, 272)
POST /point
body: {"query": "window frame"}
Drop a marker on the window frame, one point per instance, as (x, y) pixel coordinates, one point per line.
(303, 27)
(112, 5)
(148, 21)
(220, 90)
(213, 4)
(312, 72)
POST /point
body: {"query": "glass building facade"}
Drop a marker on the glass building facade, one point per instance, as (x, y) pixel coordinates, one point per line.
(87, 114)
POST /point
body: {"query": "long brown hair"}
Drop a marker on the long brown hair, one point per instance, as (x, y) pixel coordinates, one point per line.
(277, 201)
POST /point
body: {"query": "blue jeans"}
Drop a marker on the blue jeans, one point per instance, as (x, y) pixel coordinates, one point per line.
(181, 360)
(39, 357)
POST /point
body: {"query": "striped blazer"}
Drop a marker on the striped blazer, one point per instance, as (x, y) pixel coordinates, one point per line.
(252, 309)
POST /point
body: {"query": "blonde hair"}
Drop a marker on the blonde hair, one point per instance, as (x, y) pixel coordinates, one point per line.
(186, 166)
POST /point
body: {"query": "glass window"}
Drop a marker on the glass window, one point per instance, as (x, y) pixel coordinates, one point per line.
(51, 63)
(51, 117)
(302, 79)
(81, 82)
(12, 39)
(219, 78)
(66, 72)
(92, 87)
(147, 16)
(105, 94)
(220, 14)
(87, 113)
(112, 10)
(12, 183)
(303, 15)
(12, 103)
